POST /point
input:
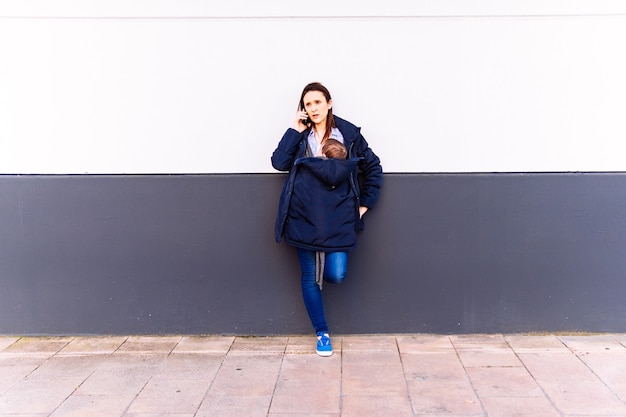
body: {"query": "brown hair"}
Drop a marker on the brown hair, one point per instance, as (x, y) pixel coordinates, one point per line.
(332, 148)
(330, 120)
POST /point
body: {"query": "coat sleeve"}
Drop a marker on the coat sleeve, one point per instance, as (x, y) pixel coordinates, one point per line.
(371, 172)
(287, 150)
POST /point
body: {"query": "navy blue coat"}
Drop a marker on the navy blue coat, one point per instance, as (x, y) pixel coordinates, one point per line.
(318, 207)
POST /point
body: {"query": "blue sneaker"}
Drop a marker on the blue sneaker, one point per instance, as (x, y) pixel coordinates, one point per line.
(324, 348)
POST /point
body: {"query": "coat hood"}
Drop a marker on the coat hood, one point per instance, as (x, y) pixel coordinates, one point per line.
(329, 171)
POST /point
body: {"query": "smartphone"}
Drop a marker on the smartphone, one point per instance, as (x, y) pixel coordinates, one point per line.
(306, 121)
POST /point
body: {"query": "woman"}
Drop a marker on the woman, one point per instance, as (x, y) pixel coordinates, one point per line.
(321, 204)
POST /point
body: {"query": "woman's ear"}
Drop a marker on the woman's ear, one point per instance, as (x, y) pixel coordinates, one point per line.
(330, 104)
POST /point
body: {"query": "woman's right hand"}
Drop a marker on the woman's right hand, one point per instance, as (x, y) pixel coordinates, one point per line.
(299, 122)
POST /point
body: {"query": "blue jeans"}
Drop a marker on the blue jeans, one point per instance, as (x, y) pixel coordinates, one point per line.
(335, 270)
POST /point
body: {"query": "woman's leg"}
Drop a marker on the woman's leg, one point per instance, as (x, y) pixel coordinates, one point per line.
(336, 267)
(311, 291)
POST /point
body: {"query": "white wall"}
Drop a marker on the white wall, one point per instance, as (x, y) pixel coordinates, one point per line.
(197, 87)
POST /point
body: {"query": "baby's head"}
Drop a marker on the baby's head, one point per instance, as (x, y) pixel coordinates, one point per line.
(332, 148)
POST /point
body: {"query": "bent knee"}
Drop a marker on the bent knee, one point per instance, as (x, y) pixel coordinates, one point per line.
(335, 277)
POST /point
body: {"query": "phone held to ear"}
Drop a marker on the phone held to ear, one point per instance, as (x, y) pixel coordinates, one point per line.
(306, 121)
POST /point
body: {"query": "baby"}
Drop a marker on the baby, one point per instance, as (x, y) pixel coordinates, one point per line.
(332, 148)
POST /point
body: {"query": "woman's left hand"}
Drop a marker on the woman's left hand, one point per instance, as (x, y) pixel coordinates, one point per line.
(362, 211)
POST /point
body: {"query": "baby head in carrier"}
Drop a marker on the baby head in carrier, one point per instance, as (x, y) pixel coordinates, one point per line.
(332, 148)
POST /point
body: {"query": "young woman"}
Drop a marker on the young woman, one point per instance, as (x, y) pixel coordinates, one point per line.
(322, 203)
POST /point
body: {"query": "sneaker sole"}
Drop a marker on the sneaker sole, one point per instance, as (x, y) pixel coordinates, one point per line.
(324, 354)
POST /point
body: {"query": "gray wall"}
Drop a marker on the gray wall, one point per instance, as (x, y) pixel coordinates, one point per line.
(460, 253)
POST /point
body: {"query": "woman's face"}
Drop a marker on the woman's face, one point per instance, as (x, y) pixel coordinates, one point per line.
(316, 106)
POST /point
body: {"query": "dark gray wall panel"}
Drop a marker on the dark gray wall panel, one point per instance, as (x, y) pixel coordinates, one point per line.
(195, 254)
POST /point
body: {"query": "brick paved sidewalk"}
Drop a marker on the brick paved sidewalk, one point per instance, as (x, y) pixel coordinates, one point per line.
(375, 375)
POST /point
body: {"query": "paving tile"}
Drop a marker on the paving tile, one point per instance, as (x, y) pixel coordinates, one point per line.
(235, 406)
(134, 360)
(424, 344)
(121, 375)
(374, 380)
(413, 375)
(445, 397)
(503, 382)
(7, 341)
(492, 358)
(204, 344)
(555, 366)
(247, 375)
(189, 366)
(170, 397)
(361, 343)
(604, 359)
(306, 396)
(519, 407)
(66, 367)
(105, 345)
(157, 415)
(370, 357)
(23, 359)
(300, 367)
(435, 366)
(595, 343)
(259, 345)
(583, 398)
(610, 367)
(93, 406)
(305, 414)
(446, 415)
(36, 396)
(112, 380)
(621, 338)
(619, 389)
(40, 345)
(12, 375)
(24, 415)
(479, 342)
(306, 345)
(376, 406)
(149, 345)
(532, 344)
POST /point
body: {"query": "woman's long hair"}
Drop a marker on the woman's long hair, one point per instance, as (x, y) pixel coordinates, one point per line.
(330, 120)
